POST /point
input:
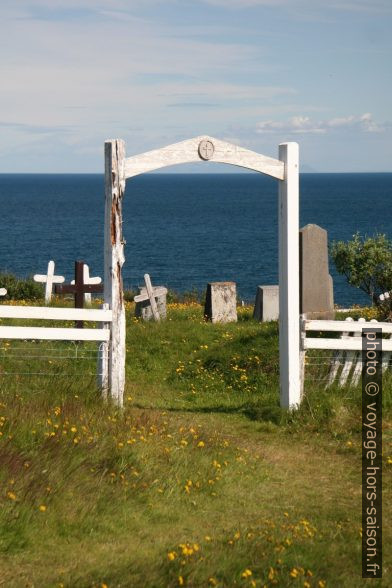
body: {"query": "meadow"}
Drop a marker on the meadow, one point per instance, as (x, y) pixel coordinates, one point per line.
(201, 480)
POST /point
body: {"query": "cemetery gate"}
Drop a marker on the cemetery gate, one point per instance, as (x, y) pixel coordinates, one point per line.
(118, 168)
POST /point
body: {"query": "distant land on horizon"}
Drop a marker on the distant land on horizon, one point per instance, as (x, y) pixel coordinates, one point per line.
(184, 169)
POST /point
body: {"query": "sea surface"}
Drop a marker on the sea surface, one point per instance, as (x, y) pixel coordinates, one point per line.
(183, 229)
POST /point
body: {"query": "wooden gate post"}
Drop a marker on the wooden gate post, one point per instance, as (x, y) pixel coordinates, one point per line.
(113, 262)
(289, 319)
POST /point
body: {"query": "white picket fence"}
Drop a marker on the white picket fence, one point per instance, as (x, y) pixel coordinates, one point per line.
(101, 334)
(346, 365)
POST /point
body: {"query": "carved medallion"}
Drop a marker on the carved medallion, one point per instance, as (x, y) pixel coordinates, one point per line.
(206, 149)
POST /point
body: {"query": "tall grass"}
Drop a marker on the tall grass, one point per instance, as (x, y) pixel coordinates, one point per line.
(201, 480)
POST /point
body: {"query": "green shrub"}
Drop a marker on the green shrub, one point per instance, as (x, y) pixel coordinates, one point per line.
(20, 288)
(366, 262)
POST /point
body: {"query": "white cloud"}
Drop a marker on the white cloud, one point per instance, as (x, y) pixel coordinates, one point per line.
(298, 5)
(304, 124)
(75, 72)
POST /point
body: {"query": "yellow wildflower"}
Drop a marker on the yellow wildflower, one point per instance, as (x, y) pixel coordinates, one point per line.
(246, 573)
(42, 508)
(294, 573)
(11, 495)
(180, 581)
(171, 555)
(201, 444)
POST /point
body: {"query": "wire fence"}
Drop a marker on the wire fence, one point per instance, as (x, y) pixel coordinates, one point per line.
(49, 359)
(342, 368)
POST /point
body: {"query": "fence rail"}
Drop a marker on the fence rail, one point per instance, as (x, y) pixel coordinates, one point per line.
(52, 313)
(346, 364)
(54, 334)
(101, 334)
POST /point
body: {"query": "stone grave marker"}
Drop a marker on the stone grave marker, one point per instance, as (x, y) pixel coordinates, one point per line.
(88, 280)
(316, 285)
(49, 279)
(78, 289)
(151, 301)
(266, 304)
(221, 302)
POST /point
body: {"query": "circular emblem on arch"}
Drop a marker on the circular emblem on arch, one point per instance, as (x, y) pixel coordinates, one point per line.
(206, 149)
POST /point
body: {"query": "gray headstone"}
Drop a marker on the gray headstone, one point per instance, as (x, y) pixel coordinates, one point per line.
(143, 309)
(267, 304)
(316, 285)
(221, 302)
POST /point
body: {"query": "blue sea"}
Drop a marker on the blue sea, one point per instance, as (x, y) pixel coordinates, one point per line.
(183, 229)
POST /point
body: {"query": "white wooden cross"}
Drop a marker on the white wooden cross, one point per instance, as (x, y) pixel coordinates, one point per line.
(150, 294)
(3, 291)
(88, 280)
(49, 279)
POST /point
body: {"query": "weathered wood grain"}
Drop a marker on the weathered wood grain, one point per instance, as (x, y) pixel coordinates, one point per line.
(188, 152)
(153, 303)
(113, 262)
(158, 291)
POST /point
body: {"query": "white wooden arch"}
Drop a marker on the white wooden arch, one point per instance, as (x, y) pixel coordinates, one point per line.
(118, 168)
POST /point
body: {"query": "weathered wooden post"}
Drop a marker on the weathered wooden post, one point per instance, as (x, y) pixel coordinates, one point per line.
(113, 262)
(289, 319)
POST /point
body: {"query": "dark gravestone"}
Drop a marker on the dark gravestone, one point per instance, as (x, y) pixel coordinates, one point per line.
(316, 286)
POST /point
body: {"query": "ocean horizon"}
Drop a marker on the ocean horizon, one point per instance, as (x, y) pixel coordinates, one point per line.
(183, 229)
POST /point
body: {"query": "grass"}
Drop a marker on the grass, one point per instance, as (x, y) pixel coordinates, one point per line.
(201, 480)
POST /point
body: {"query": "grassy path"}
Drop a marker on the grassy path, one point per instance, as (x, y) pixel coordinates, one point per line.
(200, 481)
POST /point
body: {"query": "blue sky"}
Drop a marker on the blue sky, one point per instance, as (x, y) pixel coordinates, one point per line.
(252, 72)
